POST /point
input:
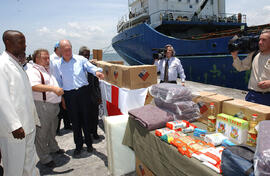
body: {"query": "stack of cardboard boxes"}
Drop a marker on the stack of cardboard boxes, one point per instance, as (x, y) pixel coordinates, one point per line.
(131, 77)
(230, 106)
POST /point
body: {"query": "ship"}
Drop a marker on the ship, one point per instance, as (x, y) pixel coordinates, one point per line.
(199, 31)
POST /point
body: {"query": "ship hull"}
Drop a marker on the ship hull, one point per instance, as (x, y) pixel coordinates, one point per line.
(206, 61)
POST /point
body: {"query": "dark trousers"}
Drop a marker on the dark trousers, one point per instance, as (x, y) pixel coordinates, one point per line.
(94, 117)
(257, 97)
(78, 106)
(63, 115)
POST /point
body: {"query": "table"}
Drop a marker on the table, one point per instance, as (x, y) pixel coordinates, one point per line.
(160, 157)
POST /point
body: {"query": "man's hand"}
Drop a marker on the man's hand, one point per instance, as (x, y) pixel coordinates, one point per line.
(183, 83)
(234, 54)
(19, 133)
(264, 84)
(58, 91)
(100, 75)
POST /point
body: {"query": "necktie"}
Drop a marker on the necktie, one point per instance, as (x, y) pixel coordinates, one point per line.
(166, 79)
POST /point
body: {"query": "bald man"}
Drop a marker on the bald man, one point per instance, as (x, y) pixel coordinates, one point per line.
(18, 115)
(70, 72)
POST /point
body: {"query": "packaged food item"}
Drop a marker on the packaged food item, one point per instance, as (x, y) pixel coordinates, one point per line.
(222, 124)
(199, 132)
(189, 129)
(174, 125)
(182, 140)
(252, 132)
(211, 125)
(215, 138)
(238, 130)
(171, 136)
(163, 131)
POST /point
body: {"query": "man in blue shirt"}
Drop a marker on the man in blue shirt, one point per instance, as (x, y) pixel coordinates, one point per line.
(70, 72)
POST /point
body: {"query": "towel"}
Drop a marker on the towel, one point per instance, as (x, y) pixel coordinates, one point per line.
(151, 117)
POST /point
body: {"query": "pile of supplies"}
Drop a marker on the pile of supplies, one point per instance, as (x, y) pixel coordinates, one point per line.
(227, 144)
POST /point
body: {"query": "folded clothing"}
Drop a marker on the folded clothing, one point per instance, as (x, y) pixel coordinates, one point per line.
(151, 117)
(170, 93)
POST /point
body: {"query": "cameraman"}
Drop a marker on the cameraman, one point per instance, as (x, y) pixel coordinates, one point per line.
(170, 67)
(259, 82)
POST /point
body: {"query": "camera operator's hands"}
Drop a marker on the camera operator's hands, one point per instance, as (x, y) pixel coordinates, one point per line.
(264, 84)
(234, 54)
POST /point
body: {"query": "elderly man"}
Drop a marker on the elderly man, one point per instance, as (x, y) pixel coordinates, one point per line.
(47, 95)
(63, 112)
(259, 81)
(17, 110)
(71, 74)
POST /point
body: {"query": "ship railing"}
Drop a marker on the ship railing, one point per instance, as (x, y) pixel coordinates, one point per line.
(177, 15)
(126, 19)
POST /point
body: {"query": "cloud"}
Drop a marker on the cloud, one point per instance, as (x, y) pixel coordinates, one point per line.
(80, 33)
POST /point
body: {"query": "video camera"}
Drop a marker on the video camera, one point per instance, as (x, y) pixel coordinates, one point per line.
(244, 44)
(160, 53)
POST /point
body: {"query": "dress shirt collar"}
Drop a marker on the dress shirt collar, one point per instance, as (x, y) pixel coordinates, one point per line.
(40, 67)
(63, 61)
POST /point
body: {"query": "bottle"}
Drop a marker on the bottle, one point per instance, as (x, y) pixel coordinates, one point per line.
(252, 132)
(211, 125)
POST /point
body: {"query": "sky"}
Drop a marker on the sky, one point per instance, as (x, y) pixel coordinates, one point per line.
(88, 22)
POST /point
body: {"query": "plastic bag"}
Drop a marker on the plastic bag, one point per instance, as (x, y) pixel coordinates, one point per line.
(262, 153)
(170, 93)
(183, 110)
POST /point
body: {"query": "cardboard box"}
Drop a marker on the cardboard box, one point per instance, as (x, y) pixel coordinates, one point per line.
(116, 62)
(142, 170)
(196, 96)
(116, 76)
(235, 106)
(262, 111)
(135, 77)
(247, 109)
(97, 54)
(148, 98)
(205, 101)
(106, 69)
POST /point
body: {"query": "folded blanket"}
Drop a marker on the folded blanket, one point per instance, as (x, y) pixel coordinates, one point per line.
(151, 117)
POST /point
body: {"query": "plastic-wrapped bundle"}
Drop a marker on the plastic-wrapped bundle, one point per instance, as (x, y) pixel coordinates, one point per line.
(262, 154)
(171, 93)
(182, 110)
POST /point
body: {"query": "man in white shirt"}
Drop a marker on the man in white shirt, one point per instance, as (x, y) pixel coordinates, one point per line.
(170, 67)
(47, 96)
(18, 116)
(259, 81)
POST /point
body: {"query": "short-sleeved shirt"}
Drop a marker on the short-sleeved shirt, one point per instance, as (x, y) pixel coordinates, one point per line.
(35, 79)
(260, 69)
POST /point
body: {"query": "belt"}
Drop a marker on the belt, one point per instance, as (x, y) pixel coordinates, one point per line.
(259, 92)
(72, 90)
(169, 82)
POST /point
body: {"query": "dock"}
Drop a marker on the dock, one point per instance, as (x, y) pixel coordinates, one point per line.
(96, 163)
